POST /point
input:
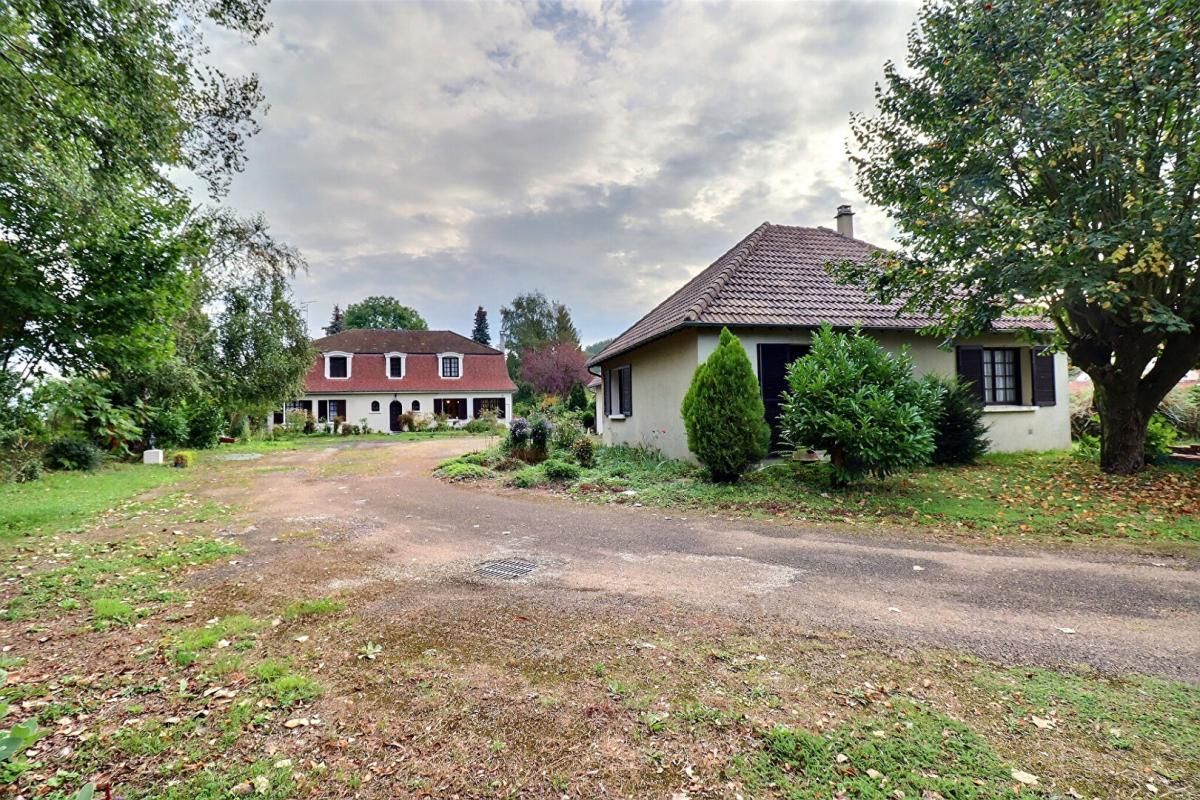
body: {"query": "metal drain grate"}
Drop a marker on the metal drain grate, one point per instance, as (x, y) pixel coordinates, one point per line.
(506, 568)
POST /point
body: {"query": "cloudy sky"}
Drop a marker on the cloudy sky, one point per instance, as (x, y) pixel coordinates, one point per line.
(453, 154)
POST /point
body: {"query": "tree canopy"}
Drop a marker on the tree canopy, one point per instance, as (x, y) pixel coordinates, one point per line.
(554, 367)
(1046, 157)
(383, 312)
(481, 332)
(100, 101)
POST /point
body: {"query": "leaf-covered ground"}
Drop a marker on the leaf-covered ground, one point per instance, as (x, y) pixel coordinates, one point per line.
(1035, 496)
(153, 667)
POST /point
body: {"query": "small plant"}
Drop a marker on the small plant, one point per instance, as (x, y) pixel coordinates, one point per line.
(19, 738)
(107, 610)
(540, 431)
(1160, 435)
(655, 723)
(73, 454)
(528, 477)
(463, 471)
(584, 451)
(313, 608)
(557, 470)
(723, 412)
(518, 434)
(370, 651)
(566, 433)
(183, 459)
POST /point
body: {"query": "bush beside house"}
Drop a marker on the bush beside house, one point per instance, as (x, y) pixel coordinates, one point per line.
(861, 404)
(723, 412)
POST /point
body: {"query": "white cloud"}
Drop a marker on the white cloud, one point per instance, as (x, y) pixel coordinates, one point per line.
(454, 154)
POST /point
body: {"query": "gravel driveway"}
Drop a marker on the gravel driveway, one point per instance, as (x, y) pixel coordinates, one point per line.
(1114, 612)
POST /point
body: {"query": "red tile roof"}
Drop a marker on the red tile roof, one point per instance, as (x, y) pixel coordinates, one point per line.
(378, 340)
(777, 277)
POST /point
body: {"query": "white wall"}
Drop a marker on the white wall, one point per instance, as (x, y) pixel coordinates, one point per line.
(662, 372)
(358, 406)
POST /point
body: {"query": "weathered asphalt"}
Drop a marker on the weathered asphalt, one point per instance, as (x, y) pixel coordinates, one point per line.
(1117, 612)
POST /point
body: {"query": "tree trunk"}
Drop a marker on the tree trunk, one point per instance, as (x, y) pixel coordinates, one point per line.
(1122, 426)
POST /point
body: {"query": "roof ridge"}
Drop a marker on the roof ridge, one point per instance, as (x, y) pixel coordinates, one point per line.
(739, 256)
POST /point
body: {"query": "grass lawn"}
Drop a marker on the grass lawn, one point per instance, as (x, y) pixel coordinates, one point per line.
(145, 663)
(1042, 496)
(64, 501)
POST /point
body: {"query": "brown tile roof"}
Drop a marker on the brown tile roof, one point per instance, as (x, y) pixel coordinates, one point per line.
(776, 276)
(376, 340)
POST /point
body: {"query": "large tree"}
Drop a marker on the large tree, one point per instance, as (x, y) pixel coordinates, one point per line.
(554, 367)
(386, 313)
(529, 322)
(336, 322)
(100, 102)
(1047, 156)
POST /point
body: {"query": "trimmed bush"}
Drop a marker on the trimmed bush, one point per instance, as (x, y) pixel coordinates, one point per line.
(584, 451)
(183, 459)
(73, 454)
(861, 404)
(960, 435)
(1160, 435)
(518, 434)
(540, 431)
(557, 470)
(723, 412)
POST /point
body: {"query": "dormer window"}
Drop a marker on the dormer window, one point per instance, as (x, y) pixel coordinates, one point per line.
(337, 365)
(451, 364)
(395, 365)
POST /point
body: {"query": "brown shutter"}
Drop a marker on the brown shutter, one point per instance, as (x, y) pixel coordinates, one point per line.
(1043, 377)
(478, 406)
(970, 367)
(626, 391)
(437, 405)
(462, 409)
(607, 381)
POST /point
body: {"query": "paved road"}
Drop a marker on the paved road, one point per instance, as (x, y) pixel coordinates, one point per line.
(1117, 613)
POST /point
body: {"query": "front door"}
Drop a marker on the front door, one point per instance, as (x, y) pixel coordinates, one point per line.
(395, 410)
(773, 361)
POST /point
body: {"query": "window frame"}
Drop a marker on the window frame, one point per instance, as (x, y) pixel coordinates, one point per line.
(376, 407)
(1012, 391)
(618, 388)
(387, 365)
(349, 357)
(441, 362)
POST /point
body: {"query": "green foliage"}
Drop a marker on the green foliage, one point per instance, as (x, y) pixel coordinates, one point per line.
(723, 412)
(541, 429)
(285, 686)
(168, 426)
(528, 477)
(557, 470)
(100, 102)
(480, 332)
(186, 646)
(73, 454)
(383, 312)
(566, 433)
(1061, 129)
(530, 322)
(19, 738)
(1182, 408)
(578, 398)
(960, 435)
(584, 452)
(920, 753)
(85, 408)
(206, 423)
(337, 322)
(1160, 435)
(318, 607)
(861, 404)
(463, 471)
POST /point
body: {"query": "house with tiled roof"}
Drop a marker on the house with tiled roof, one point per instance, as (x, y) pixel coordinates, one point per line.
(374, 377)
(772, 290)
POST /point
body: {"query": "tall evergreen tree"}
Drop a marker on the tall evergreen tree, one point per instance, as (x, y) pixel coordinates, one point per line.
(723, 412)
(336, 323)
(481, 333)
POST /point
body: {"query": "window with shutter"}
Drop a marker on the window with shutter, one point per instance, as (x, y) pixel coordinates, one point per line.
(970, 368)
(625, 382)
(607, 380)
(1043, 377)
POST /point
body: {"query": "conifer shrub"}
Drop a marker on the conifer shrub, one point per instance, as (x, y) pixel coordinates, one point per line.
(860, 404)
(960, 435)
(723, 412)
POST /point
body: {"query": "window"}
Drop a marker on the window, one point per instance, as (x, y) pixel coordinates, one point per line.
(450, 367)
(618, 392)
(452, 407)
(493, 404)
(416, 405)
(395, 365)
(1001, 381)
(339, 367)
(374, 406)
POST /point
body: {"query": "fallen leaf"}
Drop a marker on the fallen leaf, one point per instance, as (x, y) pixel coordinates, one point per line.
(1024, 777)
(1043, 724)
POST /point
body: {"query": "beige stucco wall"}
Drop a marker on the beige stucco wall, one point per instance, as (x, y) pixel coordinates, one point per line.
(662, 372)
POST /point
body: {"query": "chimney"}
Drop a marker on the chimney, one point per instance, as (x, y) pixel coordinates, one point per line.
(845, 221)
